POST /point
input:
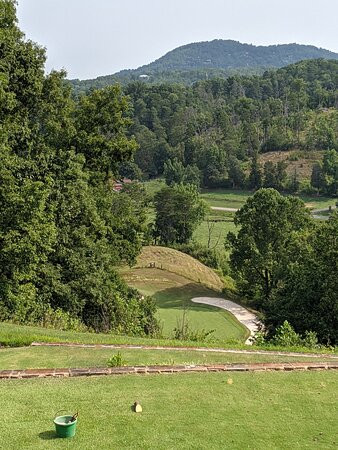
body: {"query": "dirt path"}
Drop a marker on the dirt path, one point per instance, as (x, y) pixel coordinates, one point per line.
(245, 317)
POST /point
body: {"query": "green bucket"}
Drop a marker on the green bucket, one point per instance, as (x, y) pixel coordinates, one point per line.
(64, 426)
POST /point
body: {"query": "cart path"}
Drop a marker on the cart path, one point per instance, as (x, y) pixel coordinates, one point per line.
(245, 317)
(147, 370)
(185, 349)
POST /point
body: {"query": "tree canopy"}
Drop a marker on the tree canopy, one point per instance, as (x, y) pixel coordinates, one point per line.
(63, 230)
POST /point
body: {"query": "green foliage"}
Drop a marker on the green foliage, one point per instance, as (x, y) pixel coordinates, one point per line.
(179, 210)
(285, 336)
(63, 230)
(210, 257)
(116, 360)
(307, 295)
(268, 223)
(324, 176)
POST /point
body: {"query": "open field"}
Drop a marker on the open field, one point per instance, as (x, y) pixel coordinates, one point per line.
(173, 295)
(289, 410)
(235, 198)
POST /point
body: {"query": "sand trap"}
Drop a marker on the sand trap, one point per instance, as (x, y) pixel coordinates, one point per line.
(245, 317)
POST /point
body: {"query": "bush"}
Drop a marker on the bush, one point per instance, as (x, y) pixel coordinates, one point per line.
(116, 360)
(285, 336)
(212, 258)
(307, 188)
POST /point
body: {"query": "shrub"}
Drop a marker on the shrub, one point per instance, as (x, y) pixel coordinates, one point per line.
(286, 336)
(212, 258)
(116, 360)
(183, 331)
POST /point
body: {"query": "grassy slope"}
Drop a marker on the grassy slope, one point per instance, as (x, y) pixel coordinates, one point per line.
(57, 357)
(190, 411)
(173, 292)
(179, 263)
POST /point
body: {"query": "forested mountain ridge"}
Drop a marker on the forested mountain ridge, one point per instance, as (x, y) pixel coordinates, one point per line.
(214, 129)
(218, 58)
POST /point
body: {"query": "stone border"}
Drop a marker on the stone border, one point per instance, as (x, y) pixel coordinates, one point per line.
(158, 369)
(185, 349)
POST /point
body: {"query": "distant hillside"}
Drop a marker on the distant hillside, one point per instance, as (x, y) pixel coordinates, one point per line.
(218, 58)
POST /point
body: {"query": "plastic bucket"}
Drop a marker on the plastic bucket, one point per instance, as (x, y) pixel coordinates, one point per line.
(64, 428)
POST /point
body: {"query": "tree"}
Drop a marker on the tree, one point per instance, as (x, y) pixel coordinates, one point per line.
(307, 295)
(101, 120)
(274, 175)
(267, 222)
(317, 176)
(173, 172)
(330, 172)
(236, 173)
(255, 177)
(179, 210)
(63, 230)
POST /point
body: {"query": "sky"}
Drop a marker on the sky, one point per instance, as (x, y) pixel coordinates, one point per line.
(90, 38)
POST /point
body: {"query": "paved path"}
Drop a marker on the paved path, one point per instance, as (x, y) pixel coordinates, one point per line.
(245, 317)
(221, 208)
(314, 212)
(136, 370)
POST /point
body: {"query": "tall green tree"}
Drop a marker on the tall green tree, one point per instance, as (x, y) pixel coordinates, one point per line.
(267, 223)
(307, 295)
(179, 210)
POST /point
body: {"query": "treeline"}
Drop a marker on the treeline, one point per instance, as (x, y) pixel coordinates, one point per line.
(217, 127)
(286, 264)
(63, 230)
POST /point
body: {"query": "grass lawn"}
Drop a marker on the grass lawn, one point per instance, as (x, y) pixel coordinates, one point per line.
(229, 198)
(173, 292)
(218, 233)
(72, 357)
(290, 410)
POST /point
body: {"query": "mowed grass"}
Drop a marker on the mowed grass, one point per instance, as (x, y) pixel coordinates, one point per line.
(74, 357)
(218, 233)
(273, 410)
(173, 294)
(227, 198)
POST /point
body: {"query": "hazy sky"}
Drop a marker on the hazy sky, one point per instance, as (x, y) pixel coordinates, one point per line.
(98, 37)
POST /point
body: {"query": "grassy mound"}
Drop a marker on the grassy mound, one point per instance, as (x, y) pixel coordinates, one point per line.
(179, 263)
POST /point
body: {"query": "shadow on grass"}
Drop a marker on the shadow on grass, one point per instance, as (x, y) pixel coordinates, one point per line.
(178, 297)
(48, 435)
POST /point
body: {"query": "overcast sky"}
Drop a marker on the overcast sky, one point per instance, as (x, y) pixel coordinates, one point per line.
(98, 37)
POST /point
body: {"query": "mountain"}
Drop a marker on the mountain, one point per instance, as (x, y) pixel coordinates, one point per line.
(218, 58)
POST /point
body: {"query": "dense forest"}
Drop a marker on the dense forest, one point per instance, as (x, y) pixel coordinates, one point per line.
(60, 242)
(202, 60)
(215, 129)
